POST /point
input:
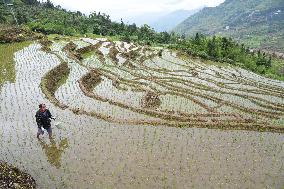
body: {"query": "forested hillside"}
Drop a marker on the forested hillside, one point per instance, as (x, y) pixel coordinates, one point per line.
(48, 19)
(257, 23)
(226, 50)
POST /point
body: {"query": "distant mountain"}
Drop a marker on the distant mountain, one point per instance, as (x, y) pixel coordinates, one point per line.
(257, 23)
(162, 21)
(148, 18)
(171, 20)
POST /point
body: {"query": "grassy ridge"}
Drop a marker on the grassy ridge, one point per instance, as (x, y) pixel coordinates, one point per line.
(53, 80)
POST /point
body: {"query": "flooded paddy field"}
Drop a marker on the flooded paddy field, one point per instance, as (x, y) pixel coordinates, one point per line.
(115, 125)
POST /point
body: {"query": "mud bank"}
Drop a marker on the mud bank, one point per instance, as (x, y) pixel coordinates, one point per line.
(53, 80)
(13, 178)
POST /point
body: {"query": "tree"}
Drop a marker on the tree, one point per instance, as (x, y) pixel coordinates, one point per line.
(269, 62)
(163, 38)
(22, 18)
(197, 38)
(30, 2)
(214, 48)
(3, 14)
(48, 4)
(132, 29)
(122, 25)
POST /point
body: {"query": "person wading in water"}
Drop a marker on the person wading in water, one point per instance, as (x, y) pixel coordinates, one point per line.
(43, 119)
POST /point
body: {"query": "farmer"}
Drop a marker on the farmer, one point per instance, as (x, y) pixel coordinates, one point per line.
(43, 117)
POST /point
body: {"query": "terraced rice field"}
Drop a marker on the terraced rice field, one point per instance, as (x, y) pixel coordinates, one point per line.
(136, 116)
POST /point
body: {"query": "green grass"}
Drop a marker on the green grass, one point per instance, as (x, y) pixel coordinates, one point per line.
(279, 123)
(110, 38)
(273, 72)
(78, 36)
(87, 54)
(53, 80)
(53, 37)
(7, 66)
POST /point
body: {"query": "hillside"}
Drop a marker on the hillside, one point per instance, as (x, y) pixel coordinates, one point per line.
(48, 19)
(171, 20)
(134, 108)
(257, 23)
(118, 95)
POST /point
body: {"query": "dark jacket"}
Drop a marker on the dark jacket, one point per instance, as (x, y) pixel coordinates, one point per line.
(43, 118)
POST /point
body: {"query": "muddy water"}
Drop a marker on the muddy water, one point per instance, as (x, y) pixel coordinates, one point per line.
(90, 153)
(70, 94)
(106, 89)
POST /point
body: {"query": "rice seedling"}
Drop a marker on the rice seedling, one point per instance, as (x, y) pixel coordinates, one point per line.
(214, 118)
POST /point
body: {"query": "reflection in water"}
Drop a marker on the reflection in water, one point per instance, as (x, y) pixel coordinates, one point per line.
(53, 152)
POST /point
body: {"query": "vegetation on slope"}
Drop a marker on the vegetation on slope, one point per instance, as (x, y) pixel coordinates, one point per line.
(257, 23)
(45, 18)
(9, 34)
(225, 50)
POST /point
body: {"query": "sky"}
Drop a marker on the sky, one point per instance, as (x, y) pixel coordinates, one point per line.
(126, 9)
